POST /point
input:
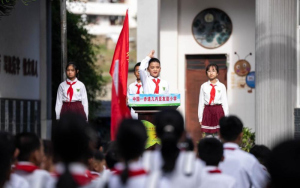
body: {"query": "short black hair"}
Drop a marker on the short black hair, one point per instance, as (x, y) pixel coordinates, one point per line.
(210, 150)
(98, 155)
(153, 60)
(284, 164)
(137, 65)
(8, 140)
(230, 128)
(261, 152)
(212, 65)
(27, 143)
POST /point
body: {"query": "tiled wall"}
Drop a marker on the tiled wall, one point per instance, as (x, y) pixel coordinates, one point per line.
(17, 115)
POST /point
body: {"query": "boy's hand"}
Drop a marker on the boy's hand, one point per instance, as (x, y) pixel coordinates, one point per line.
(151, 54)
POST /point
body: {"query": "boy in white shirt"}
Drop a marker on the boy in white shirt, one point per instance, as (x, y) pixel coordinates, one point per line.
(210, 150)
(152, 83)
(239, 164)
(135, 88)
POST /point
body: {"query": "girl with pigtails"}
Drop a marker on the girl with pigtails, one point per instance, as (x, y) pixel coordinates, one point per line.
(130, 141)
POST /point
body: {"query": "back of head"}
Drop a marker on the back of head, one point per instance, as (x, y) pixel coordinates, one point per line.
(230, 128)
(261, 152)
(111, 156)
(284, 164)
(27, 143)
(131, 139)
(71, 143)
(210, 150)
(169, 128)
(70, 139)
(7, 148)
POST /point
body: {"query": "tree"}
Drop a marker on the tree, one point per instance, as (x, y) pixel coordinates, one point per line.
(81, 51)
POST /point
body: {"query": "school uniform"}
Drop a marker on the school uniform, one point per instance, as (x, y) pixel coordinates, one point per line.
(212, 106)
(81, 175)
(185, 174)
(244, 167)
(36, 178)
(150, 84)
(16, 181)
(136, 179)
(134, 88)
(71, 97)
(213, 177)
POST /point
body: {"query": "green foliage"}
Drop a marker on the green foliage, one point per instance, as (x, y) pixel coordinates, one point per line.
(248, 139)
(81, 51)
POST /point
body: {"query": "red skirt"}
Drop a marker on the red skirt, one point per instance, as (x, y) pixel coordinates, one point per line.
(73, 107)
(211, 116)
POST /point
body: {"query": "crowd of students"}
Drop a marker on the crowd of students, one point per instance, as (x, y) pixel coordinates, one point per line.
(74, 158)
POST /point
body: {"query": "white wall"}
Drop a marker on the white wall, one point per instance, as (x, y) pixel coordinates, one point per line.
(20, 37)
(175, 44)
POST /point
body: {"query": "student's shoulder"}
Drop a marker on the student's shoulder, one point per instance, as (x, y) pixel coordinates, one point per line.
(80, 83)
(162, 81)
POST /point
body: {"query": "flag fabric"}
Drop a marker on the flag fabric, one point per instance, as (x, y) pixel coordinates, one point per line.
(119, 73)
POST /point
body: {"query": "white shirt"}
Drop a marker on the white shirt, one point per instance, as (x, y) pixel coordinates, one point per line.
(79, 94)
(216, 180)
(220, 97)
(178, 178)
(147, 80)
(36, 179)
(132, 89)
(244, 167)
(16, 181)
(138, 181)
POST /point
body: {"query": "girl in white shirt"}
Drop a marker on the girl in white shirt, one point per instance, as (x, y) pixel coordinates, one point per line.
(212, 101)
(71, 95)
(130, 142)
(152, 83)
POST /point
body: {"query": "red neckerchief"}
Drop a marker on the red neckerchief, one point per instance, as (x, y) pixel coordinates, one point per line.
(80, 179)
(26, 167)
(228, 148)
(156, 91)
(131, 173)
(70, 90)
(139, 87)
(212, 94)
(92, 175)
(216, 171)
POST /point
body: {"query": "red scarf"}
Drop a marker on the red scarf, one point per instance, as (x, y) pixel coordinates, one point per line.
(156, 91)
(216, 171)
(70, 90)
(139, 87)
(131, 173)
(212, 94)
(26, 167)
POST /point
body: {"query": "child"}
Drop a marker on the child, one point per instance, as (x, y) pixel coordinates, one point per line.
(73, 153)
(210, 150)
(135, 88)
(284, 164)
(47, 163)
(8, 156)
(174, 167)
(212, 102)
(30, 159)
(131, 139)
(152, 84)
(71, 95)
(261, 152)
(239, 164)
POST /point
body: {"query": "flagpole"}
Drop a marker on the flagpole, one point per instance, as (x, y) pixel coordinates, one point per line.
(63, 17)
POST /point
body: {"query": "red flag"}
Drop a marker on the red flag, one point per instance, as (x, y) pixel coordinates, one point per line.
(119, 73)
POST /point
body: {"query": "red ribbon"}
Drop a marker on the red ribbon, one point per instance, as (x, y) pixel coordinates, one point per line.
(212, 94)
(26, 167)
(229, 149)
(70, 90)
(156, 91)
(138, 86)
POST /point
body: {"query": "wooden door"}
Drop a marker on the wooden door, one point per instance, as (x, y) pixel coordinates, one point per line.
(195, 77)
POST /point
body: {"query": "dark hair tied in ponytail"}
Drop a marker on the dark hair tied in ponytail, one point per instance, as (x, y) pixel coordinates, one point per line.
(169, 127)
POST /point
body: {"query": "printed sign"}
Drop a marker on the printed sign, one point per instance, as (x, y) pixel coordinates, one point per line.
(154, 100)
